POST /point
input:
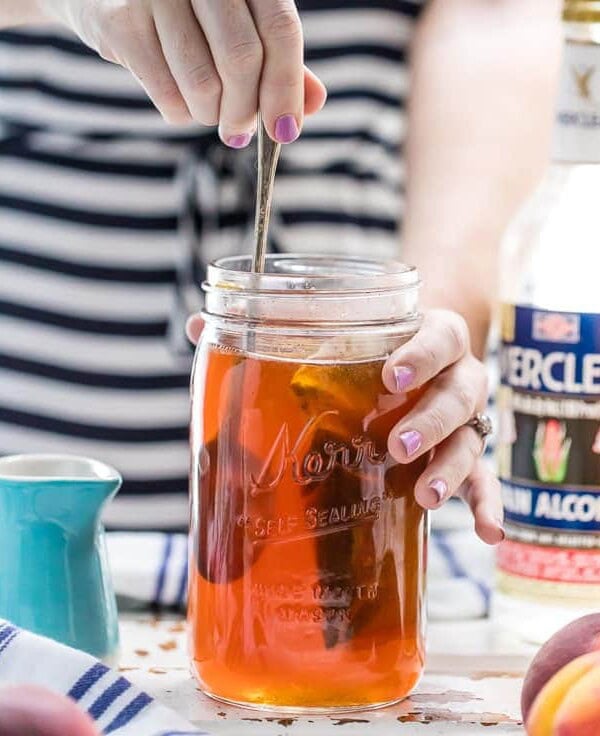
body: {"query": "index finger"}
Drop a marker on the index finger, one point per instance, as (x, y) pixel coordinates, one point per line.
(237, 51)
(442, 340)
(281, 95)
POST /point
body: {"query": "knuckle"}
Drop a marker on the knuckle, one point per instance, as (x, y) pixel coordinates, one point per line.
(284, 25)
(466, 490)
(204, 113)
(284, 81)
(176, 114)
(474, 447)
(167, 94)
(480, 381)
(464, 399)
(244, 57)
(168, 99)
(458, 334)
(430, 357)
(436, 424)
(204, 80)
(455, 472)
(176, 118)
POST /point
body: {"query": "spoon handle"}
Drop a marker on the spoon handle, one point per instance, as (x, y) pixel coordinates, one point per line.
(268, 156)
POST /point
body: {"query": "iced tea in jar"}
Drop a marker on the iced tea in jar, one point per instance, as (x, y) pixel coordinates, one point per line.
(308, 547)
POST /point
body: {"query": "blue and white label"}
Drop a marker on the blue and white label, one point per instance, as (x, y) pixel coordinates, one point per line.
(549, 449)
(553, 352)
(551, 508)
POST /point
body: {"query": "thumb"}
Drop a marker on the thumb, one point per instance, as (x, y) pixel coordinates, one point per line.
(315, 93)
(29, 710)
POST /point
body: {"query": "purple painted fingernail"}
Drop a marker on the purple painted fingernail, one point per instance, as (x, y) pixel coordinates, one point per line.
(412, 441)
(286, 129)
(440, 488)
(404, 376)
(239, 141)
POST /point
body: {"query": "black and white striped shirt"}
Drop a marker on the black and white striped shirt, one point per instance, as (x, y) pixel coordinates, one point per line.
(101, 203)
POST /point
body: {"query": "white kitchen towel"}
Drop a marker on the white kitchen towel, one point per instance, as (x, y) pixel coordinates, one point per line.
(117, 707)
(150, 569)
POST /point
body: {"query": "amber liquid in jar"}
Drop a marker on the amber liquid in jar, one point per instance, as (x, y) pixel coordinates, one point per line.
(307, 570)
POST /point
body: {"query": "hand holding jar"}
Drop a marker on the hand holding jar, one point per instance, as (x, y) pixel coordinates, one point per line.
(439, 356)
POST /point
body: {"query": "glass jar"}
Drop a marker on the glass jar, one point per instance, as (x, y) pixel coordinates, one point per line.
(308, 547)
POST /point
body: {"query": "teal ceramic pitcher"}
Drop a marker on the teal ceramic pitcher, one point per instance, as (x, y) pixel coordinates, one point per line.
(54, 576)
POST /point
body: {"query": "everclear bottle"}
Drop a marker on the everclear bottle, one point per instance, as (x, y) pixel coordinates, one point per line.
(549, 400)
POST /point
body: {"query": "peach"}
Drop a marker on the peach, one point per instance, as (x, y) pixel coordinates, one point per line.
(579, 712)
(576, 639)
(35, 711)
(564, 700)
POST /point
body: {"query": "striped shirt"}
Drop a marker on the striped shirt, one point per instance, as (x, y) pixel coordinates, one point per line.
(105, 211)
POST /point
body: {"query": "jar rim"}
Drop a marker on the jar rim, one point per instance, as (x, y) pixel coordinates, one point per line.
(300, 274)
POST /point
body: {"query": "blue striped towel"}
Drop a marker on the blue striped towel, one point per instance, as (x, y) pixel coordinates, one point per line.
(151, 568)
(115, 705)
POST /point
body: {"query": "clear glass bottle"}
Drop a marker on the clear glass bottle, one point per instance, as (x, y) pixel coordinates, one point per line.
(549, 401)
(308, 548)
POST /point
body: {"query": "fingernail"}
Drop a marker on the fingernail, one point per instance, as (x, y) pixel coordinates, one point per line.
(502, 532)
(239, 141)
(412, 441)
(286, 129)
(440, 488)
(404, 377)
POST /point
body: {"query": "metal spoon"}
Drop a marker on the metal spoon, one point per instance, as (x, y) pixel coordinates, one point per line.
(268, 156)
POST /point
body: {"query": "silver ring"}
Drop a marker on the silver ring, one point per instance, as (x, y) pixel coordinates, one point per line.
(483, 425)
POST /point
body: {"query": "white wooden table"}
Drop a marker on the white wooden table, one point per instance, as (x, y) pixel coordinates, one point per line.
(472, 685)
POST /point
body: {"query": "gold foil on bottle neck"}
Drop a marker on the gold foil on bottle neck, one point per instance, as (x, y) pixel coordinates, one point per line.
(582, 11)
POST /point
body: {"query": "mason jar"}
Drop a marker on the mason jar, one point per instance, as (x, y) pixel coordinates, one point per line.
(308, 548)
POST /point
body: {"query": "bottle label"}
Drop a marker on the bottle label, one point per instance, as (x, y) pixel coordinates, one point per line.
(577, 130)
(549, 444)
